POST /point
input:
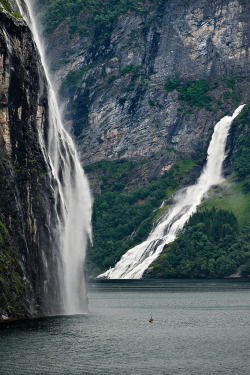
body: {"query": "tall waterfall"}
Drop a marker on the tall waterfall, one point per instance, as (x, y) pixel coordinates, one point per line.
(72, 196)
(135, 261)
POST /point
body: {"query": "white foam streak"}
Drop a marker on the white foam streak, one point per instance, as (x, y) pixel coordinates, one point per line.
(73, 197)
(135, 261)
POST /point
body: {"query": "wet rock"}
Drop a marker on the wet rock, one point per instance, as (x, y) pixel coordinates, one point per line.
(28, 284)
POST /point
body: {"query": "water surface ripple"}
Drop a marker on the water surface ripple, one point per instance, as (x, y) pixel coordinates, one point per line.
(201, 327)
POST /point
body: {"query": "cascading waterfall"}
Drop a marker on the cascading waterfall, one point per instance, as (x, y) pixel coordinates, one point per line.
(73, 197)
(135, 261)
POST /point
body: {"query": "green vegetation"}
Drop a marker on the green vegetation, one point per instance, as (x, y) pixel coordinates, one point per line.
(241, 158)
(151, 102)
(215, 242)
(11, 283)
(173, 83)
(197, 252)
(122, 219)
(3, 233)
(210, 246)
(7, 6)
(147, 26)
(74, 78)
(233, 94)
(59, 64)
(243, 119)
(154, 103)
(101, 13)
(109, 171)
(193, 92)
(230, 197)
(132, 69)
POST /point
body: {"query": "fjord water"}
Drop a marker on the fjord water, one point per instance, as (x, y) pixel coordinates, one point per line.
(72, 196)
(136, 260)
(200, 327)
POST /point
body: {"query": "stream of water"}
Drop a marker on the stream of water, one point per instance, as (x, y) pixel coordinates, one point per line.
(72, 198)
(135, 261)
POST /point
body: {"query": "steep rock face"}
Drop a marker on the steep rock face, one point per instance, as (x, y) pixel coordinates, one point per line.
(122, 109)
(143, 93)
(29, 285)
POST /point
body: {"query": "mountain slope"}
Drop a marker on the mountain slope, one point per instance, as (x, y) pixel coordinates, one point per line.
(114, 84)
(142, 86)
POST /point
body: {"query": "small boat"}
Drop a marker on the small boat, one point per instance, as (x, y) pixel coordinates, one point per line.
(151, 319)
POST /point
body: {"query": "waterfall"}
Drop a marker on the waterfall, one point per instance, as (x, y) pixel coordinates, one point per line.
(72, 196)
(136, 260)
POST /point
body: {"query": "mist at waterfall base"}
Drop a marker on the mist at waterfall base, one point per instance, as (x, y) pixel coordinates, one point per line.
(136, 260)
(72, 198)
(200, 327)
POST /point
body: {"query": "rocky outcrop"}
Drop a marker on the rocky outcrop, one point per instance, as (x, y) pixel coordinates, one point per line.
(29, 285)
(145, 92)
(121, 107)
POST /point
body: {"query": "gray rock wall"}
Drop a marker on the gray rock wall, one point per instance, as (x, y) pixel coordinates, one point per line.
(29, 284)
(112, 118)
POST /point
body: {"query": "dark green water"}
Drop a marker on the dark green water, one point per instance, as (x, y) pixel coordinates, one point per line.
(201, 327)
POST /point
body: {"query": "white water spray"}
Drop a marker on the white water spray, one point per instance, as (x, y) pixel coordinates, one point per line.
(135, 261)
(73, 197)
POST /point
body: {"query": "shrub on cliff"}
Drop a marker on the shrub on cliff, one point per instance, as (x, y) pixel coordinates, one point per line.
(100, 13)
(193, 92)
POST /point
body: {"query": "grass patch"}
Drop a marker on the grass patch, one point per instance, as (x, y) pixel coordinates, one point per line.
(230, 197)
(184, 166)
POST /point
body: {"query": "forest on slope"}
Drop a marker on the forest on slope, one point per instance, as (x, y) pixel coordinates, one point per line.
(107, 58)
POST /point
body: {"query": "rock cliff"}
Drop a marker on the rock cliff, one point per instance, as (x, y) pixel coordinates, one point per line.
(146, 89)
(29, 285)
(141, 92)
(114, 84)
